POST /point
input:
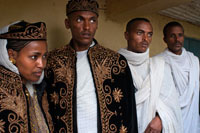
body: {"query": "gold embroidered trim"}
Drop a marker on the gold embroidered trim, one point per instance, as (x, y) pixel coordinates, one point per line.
(123, 129)
(54, 98)
(82, 5)
(45, 106)
(31, 32)
(105, 62)
(62, 66)
(117, 94)
(13, 101)
(2, 126)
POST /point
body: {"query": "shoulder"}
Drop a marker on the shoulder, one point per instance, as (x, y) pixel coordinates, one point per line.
(9, 77)
(60, 55)
(193, 57)
(106, 56)
(157, 59)
(101, 50)
(162, 54)
(59, 51)
(160, 61)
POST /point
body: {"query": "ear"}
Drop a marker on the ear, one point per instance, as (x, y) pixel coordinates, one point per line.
(12, 54)
(126, 35)
(67, 25)
(164, 39)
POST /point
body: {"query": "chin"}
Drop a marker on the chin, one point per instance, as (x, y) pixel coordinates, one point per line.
(143, 50)
(34, 80)
(87, 43)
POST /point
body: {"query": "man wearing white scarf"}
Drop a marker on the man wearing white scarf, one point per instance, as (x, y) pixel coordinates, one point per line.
(156, 98)
(185, 71)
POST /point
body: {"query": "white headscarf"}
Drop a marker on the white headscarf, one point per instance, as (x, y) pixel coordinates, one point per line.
(4, 58)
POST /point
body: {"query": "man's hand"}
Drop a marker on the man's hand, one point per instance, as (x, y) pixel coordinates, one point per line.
(155, 126)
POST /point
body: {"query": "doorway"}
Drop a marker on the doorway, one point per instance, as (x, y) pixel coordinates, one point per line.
(192, 45)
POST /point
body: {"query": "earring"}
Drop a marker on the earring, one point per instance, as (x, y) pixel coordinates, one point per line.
(13, 61)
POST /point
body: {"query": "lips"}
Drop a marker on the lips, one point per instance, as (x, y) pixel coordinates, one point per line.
(38, 74)
(178, 44)
(86, 35)
(144, 44)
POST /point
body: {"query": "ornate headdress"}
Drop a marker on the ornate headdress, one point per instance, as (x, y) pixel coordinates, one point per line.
(82, 5)
(26, 31)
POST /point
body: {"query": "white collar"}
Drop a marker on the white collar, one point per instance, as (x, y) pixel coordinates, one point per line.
(135, 58)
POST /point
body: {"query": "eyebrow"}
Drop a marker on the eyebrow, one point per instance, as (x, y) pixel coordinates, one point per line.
(144, 31)
(82, 17)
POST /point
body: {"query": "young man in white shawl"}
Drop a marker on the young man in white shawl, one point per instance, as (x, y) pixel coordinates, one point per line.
(156, 98)
(185, 72)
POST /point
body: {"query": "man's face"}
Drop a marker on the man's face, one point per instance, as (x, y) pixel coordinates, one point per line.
(174, 39)
(83, 25)
(139, 36)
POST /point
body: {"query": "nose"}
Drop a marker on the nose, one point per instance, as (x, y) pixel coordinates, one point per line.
(145, 37)
(41, 63)
(177, 38)
(86, 25)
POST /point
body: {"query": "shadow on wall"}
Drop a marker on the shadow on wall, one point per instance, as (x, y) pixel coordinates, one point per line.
(58, 37)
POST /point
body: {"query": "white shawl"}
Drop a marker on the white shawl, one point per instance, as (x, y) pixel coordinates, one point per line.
(185, 69)
(156, 92)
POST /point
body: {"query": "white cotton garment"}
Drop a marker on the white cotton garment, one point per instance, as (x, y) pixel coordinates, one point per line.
(86, 96)
(185, 71)
(156, 91)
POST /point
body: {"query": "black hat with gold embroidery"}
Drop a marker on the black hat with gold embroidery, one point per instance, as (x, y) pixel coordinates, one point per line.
(26, 31)
(82, 5)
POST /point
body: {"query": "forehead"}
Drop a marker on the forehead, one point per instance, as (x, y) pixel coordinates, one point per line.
(142, 25)
(84, 14)
(175, 29)
(35, 46)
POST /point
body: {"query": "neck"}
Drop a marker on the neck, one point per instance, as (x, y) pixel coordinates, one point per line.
(80, 46)
(176, 52)
(24, 81)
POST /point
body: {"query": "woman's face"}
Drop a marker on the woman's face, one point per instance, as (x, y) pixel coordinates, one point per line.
(31, 60)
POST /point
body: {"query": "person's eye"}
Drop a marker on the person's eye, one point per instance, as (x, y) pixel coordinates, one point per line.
(172, 36)
(79, 20)
(93, 20)
(34, 57)
(44, 56)
(180, 35)
(139, 32)
(150, 34)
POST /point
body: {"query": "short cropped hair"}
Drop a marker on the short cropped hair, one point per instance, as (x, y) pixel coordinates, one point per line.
(130, 23)
(171, 24)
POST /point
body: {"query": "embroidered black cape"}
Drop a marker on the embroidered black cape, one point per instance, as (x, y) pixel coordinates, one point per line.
(14, 113)
(114, 90)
